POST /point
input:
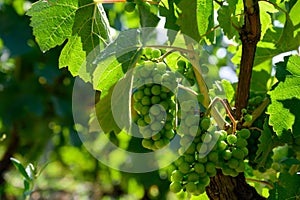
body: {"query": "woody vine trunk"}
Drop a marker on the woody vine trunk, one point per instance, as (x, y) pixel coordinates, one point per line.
(234, 188)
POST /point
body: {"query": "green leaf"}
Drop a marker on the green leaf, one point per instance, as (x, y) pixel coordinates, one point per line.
(294, 14)
(186, 17)
(265, 146)
(83, 23)
(20, 168)
(226, 20)
(259, 81)
(52, 21)
(285, 99)
(286, 188)
(229, 90)
(265, 9)
(147, 18)
(168, 9)
(205, 14)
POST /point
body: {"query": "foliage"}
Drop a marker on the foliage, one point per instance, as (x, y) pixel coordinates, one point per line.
(88, 38)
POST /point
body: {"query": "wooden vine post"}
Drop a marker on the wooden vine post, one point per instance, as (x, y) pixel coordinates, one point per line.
(227, 187)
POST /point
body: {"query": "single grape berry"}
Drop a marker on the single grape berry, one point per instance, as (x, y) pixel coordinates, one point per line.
(129, 6)
(231, 139)
(175, 187)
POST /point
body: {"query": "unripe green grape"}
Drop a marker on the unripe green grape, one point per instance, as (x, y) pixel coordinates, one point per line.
(241, 142)
(147, 143)
(156, 137)
(213, 156)
(179, 161)
(200, 189)
(129, 6)
(206, 138)
(148, 52)
(231, 139)
(205, 123)
(227, 154)
(192, 177)
(164, 104)
(138, 95)
(241, 167)
(193, 130)
(191, 149)
(161, 67)
(222, 145)
(184, 167)
(185, 140)
(191, 187)
(169, 134)
(157, 78)
(147, 119)
(177, 176)
(202, 148)
(156, 53)
(160, 143)
(191, 120)
(247, 118)
(155, 100)
(155, 90)
(210, 167)
(233, 163)
(205, 180)
(156, 126)
(189, 158)
(137, 106)
(145, 110)
(199, 168)
(147, 91)
(245, 133)
(168, 126)
(141, 122)
(238, 153)
(155, 110)
(245, 150)
(175, 187)
(202, 159)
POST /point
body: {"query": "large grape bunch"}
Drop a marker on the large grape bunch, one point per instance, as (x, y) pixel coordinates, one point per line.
(154, 88)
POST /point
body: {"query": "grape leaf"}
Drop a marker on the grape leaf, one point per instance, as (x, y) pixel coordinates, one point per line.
(286, 188)
(188, 14)
(285, 100)
(226, 20)
(104, 114)
(205, 14)
(82, 23)
(265, 9)
(265, 146)
(229, 90)
(168, 10)
(147, 18)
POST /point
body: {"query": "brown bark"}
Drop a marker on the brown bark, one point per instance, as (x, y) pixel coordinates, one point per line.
(226, 187)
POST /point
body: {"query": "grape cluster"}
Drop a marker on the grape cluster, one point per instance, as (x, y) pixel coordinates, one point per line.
(154, 103)
(192, 171)
(186, 69)
(208, 152)
(232, 151)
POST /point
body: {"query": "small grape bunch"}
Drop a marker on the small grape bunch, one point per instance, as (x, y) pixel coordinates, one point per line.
(232, 152)
(154, 103)
(185, 68)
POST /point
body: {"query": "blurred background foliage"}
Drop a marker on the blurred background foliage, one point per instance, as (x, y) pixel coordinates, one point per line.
(36, 123)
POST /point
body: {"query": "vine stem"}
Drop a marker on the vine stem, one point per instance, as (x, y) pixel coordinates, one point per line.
(228, 111)
(260, 181)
